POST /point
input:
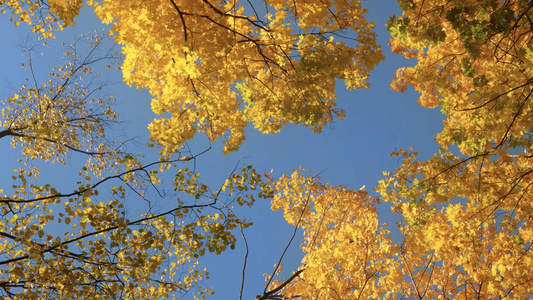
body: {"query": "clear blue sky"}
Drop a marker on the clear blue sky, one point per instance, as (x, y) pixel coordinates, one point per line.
(352, 152)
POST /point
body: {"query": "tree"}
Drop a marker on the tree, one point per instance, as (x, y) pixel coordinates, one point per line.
(267, 71)
(63, 243)
(477, 68)
(345, 248)
(466, 219)
(49, 119)
(263, 70)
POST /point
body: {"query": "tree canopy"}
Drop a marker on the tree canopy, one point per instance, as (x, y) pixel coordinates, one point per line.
(213, 67)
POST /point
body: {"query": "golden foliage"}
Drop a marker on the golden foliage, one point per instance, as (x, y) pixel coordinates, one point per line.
(213, 67)
(465, 229)
(90, 242)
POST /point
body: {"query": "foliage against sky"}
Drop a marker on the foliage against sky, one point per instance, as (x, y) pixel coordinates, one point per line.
(229, 67)
(60, 243)
(214, 69)
(211, 68)
(467, 210)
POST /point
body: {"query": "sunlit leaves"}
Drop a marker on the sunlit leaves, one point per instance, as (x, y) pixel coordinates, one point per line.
(217, 66)
(477, 70)
(461, 215)
(463, 230)
(66, 10)
(89, 238)
(465, 212)
(44, 17)
(346, 250)
(464, 217)
(99, 249)
(49, 120)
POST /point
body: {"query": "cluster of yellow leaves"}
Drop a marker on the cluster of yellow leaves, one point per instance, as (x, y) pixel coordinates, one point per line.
(213, 67)
(51, 119)
(88, 243)
(345, 249)
(43, 16)
(466, 225)
(467, 229)
(66, 10)
(458, 238)
(65, 246)
(474, 60)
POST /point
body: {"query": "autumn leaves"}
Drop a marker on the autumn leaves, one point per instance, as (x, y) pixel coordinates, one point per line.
(216, 67)
(234, 68)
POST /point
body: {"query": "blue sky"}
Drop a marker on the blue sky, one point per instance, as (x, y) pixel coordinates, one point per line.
(351, 152)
